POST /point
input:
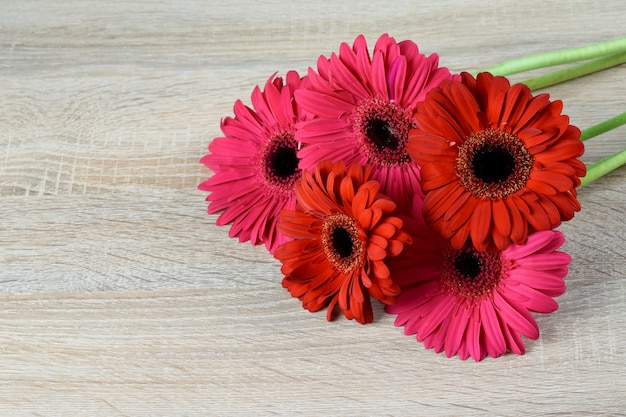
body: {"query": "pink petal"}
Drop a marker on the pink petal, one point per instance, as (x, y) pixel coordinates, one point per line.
(440, 308)
(536, 300)
(472, 338)
(513, 340)
(518, 319)
(547, 282)
(544, 262)
(535, 243)
(455, 333)
(494, 340)
(322, 105)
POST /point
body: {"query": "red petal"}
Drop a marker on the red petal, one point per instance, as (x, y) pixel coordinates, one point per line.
(480, 224)
(501, 218)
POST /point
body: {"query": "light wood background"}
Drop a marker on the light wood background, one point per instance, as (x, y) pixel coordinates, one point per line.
(120, 297)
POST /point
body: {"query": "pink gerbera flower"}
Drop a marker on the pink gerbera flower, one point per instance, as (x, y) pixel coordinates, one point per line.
(255, 164)
(363, 108)
(472, 303)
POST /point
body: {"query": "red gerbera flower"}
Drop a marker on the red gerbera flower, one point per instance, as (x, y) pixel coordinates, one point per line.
(473, 303)
(363, 108)
(343, 233)
(255, 164)
(497, 163)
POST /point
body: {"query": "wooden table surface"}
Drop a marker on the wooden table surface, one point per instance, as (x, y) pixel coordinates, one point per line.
(120, 297)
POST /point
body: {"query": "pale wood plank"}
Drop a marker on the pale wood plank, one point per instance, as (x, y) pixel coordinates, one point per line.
(119, 295)
(221, 352)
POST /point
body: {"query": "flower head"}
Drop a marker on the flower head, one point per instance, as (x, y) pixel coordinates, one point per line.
(343, 233)
(497, 163)
(363, 109)
(255, 164)
(473, 303)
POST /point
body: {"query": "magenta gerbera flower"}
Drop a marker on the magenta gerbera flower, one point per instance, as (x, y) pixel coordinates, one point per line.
(363, 108)
(472, 303)
(255, 164)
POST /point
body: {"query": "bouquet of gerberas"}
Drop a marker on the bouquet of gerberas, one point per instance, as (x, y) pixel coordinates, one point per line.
(383, 175)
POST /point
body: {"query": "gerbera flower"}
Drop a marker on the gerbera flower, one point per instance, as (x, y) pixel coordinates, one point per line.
(473, 303)
(496, 162)
(363, 109)
(255, 164)
(343, 233)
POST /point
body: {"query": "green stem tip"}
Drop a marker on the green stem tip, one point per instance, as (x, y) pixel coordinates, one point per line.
(604, 166)
(603, 127)
(576, 71)
(559, 57)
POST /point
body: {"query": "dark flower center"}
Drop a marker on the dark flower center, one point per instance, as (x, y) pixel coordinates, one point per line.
(469, 273)
(283, 163)
(279, 162)
(467, 264)
(341, 243)
(382, 129)
(493, 164)
(381, 135)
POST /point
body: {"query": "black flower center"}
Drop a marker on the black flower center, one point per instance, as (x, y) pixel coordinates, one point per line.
(382, 135)
(382, 129)
(469, 273)
(468, 264)
(493, 164)
(283, 162)
(279, 162)
(342, 242)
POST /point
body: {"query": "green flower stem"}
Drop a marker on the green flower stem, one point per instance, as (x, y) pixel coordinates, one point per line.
(605, 126)
(575, 71)
(563, 56)
(604, 166)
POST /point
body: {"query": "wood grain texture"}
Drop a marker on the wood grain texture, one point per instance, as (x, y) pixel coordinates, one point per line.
(120, 297)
